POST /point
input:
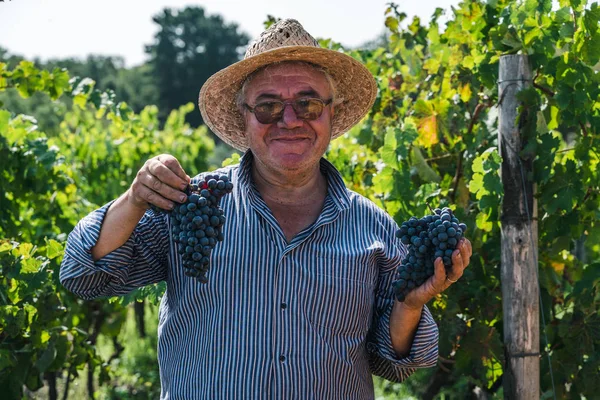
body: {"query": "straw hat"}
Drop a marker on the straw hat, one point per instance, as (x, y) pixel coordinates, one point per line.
(285, 40)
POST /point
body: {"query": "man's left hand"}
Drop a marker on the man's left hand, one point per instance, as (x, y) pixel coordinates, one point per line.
(441, 281)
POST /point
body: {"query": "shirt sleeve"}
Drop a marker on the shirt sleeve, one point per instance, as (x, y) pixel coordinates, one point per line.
(382, 356)
(140, 261)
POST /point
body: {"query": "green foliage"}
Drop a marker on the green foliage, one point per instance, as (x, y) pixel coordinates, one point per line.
(432, 137)
(50, 183)
(134, 374)
(37, 332)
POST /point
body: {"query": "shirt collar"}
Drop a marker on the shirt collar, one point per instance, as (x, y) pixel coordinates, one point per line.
(335, 184)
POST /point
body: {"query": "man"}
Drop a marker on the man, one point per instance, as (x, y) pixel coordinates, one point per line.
(298, 302)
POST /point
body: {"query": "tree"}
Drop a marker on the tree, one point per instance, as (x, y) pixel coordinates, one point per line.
(189, 47)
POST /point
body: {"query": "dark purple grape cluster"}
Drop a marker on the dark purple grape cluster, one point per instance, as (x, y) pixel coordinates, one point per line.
(197, 224)
(427, 238)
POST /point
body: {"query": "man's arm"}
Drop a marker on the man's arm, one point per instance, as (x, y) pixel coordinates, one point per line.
(119, 222)
(404, 322)
(158, 182)
(122, 245)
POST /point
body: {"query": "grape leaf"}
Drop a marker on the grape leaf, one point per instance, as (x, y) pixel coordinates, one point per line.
(31, 265)
(428, 131)
(4, 118)
(392, 23)
(54, 249)
(591, 18)
(46, 358)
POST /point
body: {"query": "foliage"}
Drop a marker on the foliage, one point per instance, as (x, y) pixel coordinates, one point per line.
(48, 184)
(432, 136)
(135, 85)
(37, 335)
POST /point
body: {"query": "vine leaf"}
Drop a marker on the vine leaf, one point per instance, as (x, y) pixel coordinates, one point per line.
(425, 172)
(47, 357)
(54, 249)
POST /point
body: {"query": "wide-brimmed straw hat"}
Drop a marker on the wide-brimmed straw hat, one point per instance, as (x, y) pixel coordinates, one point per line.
(285, 40)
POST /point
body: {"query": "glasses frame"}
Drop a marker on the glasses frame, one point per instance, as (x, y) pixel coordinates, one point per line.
(293, 103)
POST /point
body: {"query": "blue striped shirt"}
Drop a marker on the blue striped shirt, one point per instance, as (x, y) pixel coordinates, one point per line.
(308, 319)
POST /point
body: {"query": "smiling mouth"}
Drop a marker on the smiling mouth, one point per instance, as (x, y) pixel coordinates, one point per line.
(290, 139)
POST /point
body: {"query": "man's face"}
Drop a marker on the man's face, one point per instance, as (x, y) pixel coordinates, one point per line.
(290, 144)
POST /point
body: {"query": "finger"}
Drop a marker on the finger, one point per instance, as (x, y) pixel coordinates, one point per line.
(457, 266)
(164, 174)
(469, 247)
(466, 251)
(439, 275)
(430, 288)
(164, 190)
(171, 163)
(141, 191)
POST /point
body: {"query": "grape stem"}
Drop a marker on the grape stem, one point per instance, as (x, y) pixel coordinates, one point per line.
(430, 209)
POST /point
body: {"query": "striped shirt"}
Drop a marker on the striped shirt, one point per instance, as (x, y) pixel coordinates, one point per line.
(308, 319)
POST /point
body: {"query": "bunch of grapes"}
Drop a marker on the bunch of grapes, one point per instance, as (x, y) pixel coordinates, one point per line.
(427, 238)
(197, 224)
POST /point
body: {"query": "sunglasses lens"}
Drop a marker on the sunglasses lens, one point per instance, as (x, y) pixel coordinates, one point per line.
(269, 112)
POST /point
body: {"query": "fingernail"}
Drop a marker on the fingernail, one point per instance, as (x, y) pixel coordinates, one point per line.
(182, 198)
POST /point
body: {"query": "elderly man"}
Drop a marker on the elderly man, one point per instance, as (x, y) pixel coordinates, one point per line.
(298, 303)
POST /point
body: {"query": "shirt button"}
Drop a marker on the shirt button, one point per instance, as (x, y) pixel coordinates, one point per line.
(283, 306)
(282, 358)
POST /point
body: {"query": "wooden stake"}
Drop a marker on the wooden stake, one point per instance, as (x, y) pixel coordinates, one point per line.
(520, 294)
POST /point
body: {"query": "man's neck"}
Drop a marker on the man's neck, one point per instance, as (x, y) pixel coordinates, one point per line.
(295, 199)
(289, 188)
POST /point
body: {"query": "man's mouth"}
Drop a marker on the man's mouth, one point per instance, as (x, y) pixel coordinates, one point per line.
(290, 139)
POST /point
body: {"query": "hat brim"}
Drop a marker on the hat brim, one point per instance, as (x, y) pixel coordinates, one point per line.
(354, 84)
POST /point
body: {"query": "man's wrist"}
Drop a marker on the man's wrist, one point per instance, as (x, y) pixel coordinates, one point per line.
(410, 308)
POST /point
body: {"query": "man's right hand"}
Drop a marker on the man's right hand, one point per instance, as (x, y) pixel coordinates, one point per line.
(161, 181)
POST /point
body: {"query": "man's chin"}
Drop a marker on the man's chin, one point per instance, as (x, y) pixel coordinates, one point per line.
(290, 146)
(292, 161)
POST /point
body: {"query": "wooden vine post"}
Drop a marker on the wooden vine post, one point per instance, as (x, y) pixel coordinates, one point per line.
(519, 253)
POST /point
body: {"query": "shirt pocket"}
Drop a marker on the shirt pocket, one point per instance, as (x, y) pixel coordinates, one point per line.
(338, 303)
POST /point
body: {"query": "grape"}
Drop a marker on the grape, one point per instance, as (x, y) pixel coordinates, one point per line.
(197, 224)
(428, 238)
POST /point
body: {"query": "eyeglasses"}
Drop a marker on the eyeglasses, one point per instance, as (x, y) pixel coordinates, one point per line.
(271, 111)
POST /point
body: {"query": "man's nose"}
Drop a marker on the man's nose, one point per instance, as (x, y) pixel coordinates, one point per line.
(289, 119)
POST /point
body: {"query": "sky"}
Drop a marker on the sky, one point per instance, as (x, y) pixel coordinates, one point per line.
(76, 28)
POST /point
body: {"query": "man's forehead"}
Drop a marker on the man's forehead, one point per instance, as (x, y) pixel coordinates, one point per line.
(305, 78)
